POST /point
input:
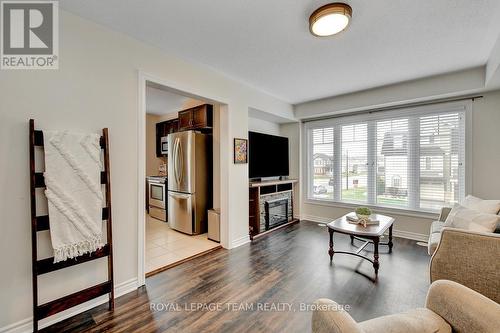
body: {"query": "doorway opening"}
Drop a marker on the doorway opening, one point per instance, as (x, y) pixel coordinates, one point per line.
(181, 215)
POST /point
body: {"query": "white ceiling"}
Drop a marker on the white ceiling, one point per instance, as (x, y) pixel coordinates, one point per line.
(267, 44)
(162, 102)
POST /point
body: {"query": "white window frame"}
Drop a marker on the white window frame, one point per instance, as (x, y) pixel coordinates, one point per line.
(442, 108)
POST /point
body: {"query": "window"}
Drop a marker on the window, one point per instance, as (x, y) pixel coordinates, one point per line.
(354, 162)
(411, 159)
(392, 162)
(322, 156)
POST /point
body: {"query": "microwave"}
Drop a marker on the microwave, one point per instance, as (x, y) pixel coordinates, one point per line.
(164, 145)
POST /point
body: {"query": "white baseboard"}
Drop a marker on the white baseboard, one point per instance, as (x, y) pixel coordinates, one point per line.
(410, 235)
(26, 325)
(318, 219)
(22, 326)
(240, 241)
(395, 232)
(126, 287)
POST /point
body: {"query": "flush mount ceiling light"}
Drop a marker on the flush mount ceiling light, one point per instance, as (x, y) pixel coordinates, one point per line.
(330, 19)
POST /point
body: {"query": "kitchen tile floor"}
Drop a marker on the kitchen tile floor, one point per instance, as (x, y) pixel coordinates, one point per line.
(165, 246)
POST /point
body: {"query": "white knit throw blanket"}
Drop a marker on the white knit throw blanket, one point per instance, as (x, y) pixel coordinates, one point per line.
(75, 199)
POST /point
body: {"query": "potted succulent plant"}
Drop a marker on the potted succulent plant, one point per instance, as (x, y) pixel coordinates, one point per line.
(363, 213)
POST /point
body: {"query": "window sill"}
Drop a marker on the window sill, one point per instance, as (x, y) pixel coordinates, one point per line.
(379, 209)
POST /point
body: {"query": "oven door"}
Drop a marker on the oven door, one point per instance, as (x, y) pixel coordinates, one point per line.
(164, 145)
(157, 195)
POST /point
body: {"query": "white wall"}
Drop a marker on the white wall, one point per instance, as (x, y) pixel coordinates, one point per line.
(493, 67)
(95, 87)
(485, 140)
(446, 85)
(293, 132)
(263, 126)
(485, 159)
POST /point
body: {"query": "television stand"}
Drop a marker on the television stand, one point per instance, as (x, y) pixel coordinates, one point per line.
(267, 179)
(265, 194)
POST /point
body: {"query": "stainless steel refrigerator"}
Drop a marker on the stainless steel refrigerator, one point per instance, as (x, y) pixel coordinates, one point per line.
(189, 177)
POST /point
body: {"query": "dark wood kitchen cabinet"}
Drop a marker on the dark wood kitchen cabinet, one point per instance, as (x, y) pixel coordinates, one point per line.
(196, 118)
(163, 129)
(199, 117)
(172, 126)
(159, 133)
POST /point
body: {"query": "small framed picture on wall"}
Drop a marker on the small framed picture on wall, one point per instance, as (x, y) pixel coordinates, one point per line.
(240, 151)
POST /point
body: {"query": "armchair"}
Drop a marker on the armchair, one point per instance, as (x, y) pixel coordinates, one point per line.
(449, 307)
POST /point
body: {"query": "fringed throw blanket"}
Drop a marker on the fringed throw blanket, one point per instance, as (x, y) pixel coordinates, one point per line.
(72, 176)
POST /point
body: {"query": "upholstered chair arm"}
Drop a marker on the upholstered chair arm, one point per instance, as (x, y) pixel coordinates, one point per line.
(463, 308)
(469, 258)
(445, 211)
(328, 317)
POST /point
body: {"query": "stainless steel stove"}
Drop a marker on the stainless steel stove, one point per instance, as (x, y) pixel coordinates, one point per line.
(157, 197)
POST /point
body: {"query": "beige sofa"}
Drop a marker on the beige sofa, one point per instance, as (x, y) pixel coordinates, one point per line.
(437, 228)
(469, 258)
(449, 307)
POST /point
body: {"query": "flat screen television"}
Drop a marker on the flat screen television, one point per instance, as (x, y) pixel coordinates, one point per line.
(267, 155)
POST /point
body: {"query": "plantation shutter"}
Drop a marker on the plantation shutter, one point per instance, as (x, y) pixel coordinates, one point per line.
(410, 159)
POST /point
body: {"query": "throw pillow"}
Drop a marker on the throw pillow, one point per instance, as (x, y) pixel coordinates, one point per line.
(469, 219)
(484, 206)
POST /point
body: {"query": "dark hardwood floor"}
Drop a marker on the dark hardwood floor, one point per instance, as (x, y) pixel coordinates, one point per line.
(290, 266)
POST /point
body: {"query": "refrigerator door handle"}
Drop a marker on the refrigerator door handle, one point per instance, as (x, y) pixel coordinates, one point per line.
(174, 151)
(179, 196)
(181, 162)
(176, 160)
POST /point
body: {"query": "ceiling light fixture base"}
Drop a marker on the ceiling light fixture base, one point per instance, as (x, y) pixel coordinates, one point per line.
(330, 19)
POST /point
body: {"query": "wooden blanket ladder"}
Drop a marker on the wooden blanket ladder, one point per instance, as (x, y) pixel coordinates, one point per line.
(40, 223)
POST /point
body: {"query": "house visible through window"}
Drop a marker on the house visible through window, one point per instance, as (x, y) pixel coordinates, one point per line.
(323, 162)
(428, 165)
(411, 159)
(354, 161)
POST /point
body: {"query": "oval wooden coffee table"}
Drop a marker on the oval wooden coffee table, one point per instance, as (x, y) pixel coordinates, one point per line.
(369, 235)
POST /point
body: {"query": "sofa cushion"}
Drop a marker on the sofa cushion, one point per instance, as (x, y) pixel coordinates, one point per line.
(414, 321)
(437, 226)
(433, 242)
(469, 219)
(484, 206)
